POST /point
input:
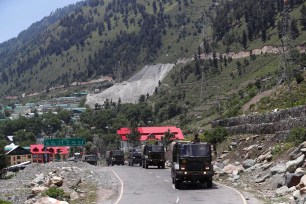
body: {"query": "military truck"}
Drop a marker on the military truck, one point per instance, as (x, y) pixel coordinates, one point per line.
(114, 157)
(91, 159)
(153, 155)
(191, 162)
(134, 157)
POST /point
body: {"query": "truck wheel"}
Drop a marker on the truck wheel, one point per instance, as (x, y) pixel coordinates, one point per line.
(112, 164)
(147, 165)
(163, 166)
(177, 184)
(209, 184)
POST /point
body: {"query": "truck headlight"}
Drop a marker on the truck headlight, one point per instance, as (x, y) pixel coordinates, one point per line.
(207, 168)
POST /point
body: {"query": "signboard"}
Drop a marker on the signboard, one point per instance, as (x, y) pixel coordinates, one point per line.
(64, 142)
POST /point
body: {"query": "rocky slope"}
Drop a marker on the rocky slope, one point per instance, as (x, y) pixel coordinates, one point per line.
(81, 182)
(249, 163)
(142, 83)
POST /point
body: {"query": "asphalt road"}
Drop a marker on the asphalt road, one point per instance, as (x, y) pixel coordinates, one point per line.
(154, 186)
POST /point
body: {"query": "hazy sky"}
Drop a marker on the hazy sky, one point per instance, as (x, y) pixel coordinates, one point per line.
(18, 15)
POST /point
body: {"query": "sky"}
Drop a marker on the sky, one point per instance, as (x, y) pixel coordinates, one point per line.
(18, 15)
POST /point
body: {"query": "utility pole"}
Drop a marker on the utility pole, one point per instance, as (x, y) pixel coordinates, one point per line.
(285, 50)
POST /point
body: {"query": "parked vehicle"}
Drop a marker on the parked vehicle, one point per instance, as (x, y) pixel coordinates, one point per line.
(91, 159)
(191, 162)
(114, 157)
(134, 157)
(153, 155)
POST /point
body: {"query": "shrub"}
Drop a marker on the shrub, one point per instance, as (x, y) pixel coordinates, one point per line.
(53, 192)
(215, 136)
(4, 202)
(297, 136)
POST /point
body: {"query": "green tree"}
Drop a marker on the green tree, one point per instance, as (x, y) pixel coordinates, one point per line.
(134, 136)
(214, 136)
(3, 159)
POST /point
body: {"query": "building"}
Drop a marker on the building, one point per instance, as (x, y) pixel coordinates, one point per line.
(150, 133)
(18, 155)
(51, 154)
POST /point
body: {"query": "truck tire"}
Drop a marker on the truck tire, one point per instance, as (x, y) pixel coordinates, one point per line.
(209, 184)
(163, 166)
(147, 165)
(177, 183)
(112, 164)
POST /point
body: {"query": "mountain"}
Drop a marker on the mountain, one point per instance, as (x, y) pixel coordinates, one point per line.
(225, 53)
(96, 38)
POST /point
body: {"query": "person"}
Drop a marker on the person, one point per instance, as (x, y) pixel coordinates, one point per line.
(196, 138)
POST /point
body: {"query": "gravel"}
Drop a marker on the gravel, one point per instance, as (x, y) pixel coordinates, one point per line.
(18, 188)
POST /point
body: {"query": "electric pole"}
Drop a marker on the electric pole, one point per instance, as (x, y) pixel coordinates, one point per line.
(286, 48)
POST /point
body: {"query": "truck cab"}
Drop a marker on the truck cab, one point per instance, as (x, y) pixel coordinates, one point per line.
(153, 155)
(134, 157)
(114, 157)
(191, 162)
(91, 159)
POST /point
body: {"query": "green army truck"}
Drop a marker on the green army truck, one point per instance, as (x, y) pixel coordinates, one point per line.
(191, 162)
(114, 157)
(153, 155)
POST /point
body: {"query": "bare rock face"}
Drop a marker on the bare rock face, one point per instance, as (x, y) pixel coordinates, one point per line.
(142, 83)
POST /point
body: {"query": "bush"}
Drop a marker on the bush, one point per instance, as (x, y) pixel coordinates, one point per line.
(297, 136)
(53, 192)
(4, 202)
(215, 136)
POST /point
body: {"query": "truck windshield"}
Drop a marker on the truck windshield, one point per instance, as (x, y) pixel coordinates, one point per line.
(117, 153)
(91, 157)
(195, 150)
(156, 148)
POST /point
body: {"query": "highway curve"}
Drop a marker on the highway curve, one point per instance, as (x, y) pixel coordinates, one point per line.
(154, 186)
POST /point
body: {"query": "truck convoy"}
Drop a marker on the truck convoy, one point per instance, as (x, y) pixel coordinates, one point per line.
(114, 157)
(191, 162)
(153, 155)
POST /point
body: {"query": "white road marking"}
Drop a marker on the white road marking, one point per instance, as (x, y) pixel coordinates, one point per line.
(177, 199)
(157, 176)
(166, 181)
(242, 197)
(121, 189)
(173, 186)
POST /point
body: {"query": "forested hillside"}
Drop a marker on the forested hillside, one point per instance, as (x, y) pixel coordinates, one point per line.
(118, 37)
(97, 37)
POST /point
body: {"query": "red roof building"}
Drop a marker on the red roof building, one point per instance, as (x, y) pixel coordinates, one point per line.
(52, 153)
(152, 133)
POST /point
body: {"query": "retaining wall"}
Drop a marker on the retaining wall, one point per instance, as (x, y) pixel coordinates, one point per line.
(268, 123)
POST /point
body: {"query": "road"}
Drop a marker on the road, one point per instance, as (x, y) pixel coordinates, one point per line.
(154, 186)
